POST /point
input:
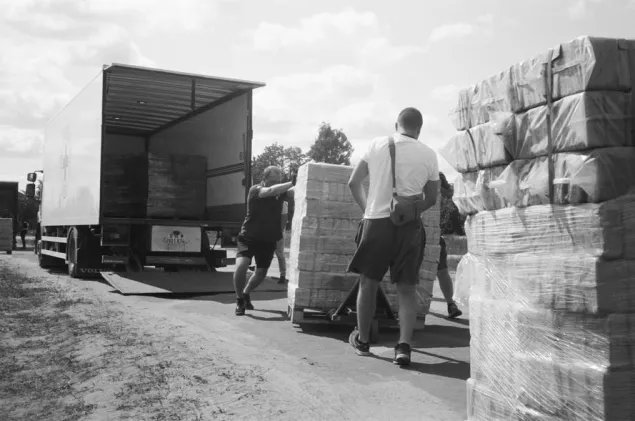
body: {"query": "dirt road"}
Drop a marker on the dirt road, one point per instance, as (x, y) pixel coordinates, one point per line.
(134, 357)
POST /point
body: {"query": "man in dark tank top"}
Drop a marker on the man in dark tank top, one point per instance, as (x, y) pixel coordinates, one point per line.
(259, 234)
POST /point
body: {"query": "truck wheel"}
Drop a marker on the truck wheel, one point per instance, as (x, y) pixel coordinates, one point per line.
(71, 254)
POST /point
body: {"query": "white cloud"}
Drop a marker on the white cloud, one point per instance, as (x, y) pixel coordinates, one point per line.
(580, 9)
(447, 93)
(454, 30)
(482, 24)
(312, 30)
(51, 48)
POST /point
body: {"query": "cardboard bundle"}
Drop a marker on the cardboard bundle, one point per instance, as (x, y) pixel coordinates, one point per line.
(551, 299)
(325, 223)
(510, 119)
(124, 185)
(154, 186)
(177, 186)
(6, 234)
(582, 64)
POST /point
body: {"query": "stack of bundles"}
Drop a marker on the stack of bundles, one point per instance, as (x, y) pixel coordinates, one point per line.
(325, 223)
(154, 186)
(550, 265)
(124, 185)
(6, 234)
(512, 138)
(177, 186)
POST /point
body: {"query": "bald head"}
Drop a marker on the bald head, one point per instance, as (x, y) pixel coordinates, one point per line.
(410, 122)
(271, 175)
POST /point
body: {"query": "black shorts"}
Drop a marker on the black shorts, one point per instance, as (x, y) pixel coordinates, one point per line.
(262, 251)
(443, 257)
(382, 246)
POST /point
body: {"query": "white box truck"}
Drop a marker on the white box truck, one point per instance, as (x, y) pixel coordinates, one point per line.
(133, 110)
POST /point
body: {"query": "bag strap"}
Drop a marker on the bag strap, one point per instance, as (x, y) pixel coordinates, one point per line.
(391, 148)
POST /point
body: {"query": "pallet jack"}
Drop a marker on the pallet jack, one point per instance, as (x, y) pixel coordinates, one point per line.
(346, 313)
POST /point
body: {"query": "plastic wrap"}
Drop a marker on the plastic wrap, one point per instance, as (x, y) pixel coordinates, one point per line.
(579, 177)
(582, 64)
(479, 148)
(580, 122)
(552, 312)
(477, 102)
(472, 192)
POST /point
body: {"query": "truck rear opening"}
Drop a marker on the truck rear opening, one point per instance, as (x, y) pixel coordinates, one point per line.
(146, 167)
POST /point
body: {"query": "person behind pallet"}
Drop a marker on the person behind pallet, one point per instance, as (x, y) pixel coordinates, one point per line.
(383, 244)
(24, 228)
(443, 274)
(260, 233)
(282, 263)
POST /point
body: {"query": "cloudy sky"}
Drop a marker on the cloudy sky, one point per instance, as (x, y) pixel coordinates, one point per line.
(352, 63)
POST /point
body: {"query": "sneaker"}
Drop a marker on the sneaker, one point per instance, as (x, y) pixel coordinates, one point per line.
(402, 354)
(453, 311)
(240, 307)
(361, 348)
(282, 280)
(248, 304)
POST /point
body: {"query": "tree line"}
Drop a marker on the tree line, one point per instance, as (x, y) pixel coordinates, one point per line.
(331, 146)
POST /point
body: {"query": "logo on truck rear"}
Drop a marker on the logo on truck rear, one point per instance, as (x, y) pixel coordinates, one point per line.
(175, 238)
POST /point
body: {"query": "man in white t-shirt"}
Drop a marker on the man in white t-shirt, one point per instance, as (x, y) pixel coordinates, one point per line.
(382, 245)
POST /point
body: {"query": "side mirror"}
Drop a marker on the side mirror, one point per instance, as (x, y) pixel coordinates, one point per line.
(30, 190)
(31, 177)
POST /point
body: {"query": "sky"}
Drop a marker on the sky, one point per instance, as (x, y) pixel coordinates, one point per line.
(354, 64)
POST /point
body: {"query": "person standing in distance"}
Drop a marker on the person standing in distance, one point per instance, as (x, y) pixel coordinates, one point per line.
(282, 262)
(443, 274)
(259, 233)
(383, 245)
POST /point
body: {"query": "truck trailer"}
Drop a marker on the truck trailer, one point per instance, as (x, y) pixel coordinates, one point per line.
(145, 167)
(9, 208)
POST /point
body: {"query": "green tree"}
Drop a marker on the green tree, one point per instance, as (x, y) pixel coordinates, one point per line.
(331, 146)
(289, 159)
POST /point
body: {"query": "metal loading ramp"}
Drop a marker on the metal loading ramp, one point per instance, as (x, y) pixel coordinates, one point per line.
(140, 283)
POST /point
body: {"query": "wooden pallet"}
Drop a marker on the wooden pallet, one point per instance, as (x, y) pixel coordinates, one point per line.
(345, 314)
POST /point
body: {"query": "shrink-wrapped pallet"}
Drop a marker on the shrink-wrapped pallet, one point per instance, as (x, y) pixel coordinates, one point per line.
(582, 64)
(552, 279)
(472, 192)
(579, 122)
(556, 364)
(479, 147)
(6, 234)
(323, 230)
(477, 103)
(598, 230)
(578, 177)
(550, 294)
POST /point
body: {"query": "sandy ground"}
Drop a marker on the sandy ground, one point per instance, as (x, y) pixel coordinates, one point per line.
(83, 351)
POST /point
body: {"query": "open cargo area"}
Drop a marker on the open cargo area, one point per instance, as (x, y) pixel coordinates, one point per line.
(152, 144)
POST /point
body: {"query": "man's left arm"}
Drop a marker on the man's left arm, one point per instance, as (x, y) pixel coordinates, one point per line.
(355, 183)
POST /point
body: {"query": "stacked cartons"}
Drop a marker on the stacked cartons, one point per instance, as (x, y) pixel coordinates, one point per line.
(324, 227)
(177, 186)
(551, 235)
(6, 234)
(154, 186)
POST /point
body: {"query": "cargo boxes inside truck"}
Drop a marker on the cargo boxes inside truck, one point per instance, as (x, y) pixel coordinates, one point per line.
(150, 185)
